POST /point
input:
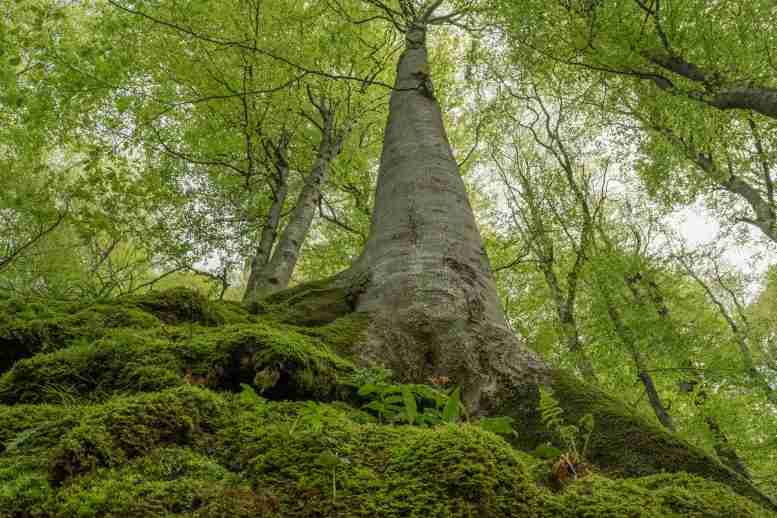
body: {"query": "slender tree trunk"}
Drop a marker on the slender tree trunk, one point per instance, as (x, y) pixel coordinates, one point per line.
(723, 448)
(739, 334)
(270, 230)
(275, 274)
(644, 376)
(566, 315)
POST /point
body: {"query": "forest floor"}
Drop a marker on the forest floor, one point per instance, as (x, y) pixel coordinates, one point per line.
(168, 404)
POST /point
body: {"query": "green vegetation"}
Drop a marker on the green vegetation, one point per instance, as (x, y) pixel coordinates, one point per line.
(388, 258)
(259, 419)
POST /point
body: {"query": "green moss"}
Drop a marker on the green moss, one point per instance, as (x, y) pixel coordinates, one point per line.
(284, 363)
(126, 361)
(25, 428)
(623, 444)
(281, 362)
(27, 434)
(310, 304)
(21, 338)
(167, 481)
(182, 305)
(137, 430)
(125, 428)
(24, 486)
(343, 334)
(192, 452)
(676, 495)
(352, 469)
(629, 445)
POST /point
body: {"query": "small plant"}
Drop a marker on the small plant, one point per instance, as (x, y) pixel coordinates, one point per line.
(575, 438)
(310, 417)
(500, 425)
(415, 404)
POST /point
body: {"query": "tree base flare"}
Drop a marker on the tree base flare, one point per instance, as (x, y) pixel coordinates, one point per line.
(499, 376)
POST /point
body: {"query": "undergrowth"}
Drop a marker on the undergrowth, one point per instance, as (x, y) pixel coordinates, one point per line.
(172, 405)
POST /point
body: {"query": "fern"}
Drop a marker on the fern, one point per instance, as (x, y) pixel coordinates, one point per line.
(550, 411)
(552, 416)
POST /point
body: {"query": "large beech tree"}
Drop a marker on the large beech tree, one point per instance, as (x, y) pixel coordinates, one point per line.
(421, 296)
(425, 292)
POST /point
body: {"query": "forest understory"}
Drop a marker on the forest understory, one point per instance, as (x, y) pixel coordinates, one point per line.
(168, 404)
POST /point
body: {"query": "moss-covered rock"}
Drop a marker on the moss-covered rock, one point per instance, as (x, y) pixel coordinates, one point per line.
(313, 303)
(277, 359)
(627, 445)
(125, 428)
(677, 495)
(189, 451)
(168, 481)
(28, 328)
(344, 334)
(23, 337)
(126, 361)
(623, 443)
(34, 427)
(181, 305)
(144, 407)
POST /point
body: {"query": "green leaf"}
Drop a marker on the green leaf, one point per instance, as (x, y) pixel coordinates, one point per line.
(451, 412)
(378, 406)
(411, 408)
(328, 459)
(366, 390)
(546, 451)
(500, 425)
(587, 422)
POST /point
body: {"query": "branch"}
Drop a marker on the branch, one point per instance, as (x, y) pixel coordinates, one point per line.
(7, 260)
(245, 46)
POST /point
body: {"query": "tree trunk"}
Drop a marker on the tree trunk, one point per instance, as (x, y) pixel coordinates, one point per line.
(644, 376)
(431, 297)
(726, 452)
(275, 274)
(569, 329)
(270, 229)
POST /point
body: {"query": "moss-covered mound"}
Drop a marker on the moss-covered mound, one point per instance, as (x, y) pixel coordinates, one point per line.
(213, 412)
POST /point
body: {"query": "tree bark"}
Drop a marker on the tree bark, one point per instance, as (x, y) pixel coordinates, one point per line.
(717, 91)
(662, 414)
(432, 300)
(275, 274)
(270, 229)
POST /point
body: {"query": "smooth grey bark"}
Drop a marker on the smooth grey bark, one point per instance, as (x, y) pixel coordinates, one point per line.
(275, 274)
(269, 234)
(717, 92)
(432, 300)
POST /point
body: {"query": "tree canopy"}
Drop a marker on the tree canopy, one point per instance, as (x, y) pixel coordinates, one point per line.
(528, 201)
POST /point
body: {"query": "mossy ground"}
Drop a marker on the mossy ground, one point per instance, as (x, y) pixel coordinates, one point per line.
(182, 407)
